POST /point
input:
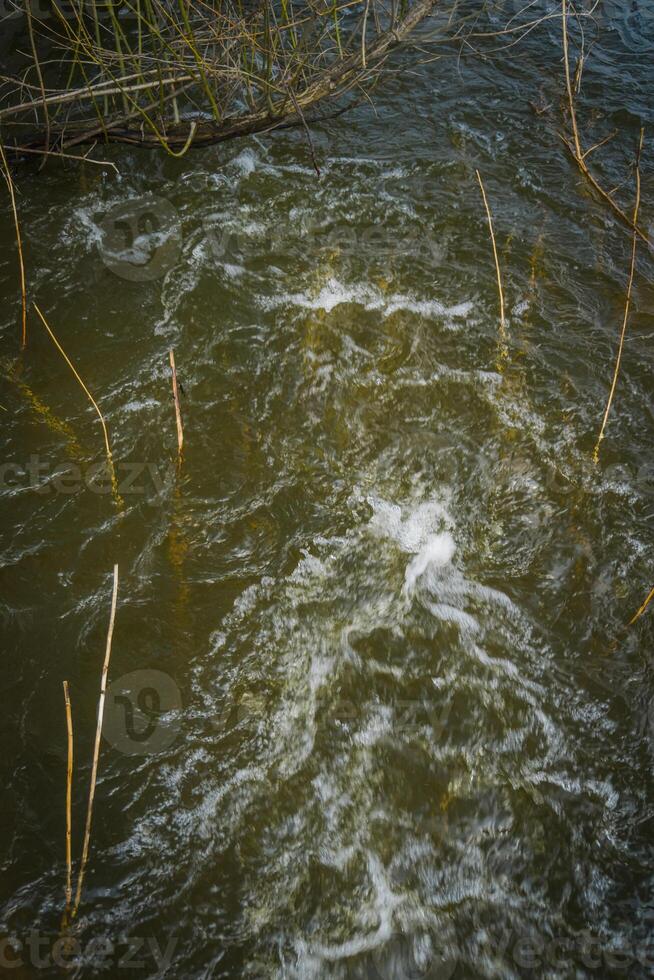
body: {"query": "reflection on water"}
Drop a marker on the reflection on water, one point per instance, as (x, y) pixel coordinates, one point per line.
(406, 732)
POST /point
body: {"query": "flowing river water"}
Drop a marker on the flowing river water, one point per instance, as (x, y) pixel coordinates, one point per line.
(374, 711)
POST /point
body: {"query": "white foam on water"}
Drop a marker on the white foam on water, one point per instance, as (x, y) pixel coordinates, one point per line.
(438, 550)
(82, 220)
(422, 533)
(335, 293)
(414, 531)
(231, 270)
(451, 614)
(246, 162)
(383, 904)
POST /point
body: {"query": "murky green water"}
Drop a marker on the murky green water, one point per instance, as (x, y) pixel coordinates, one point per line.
(386, 721)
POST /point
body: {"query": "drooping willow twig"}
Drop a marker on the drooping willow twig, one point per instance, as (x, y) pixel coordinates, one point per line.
(96, 747)
(503, 333)
(19, 243)
(632, 267)
(69, 790)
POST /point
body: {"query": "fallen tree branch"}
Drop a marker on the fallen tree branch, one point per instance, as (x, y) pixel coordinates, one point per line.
(322, 81)
(574, 148)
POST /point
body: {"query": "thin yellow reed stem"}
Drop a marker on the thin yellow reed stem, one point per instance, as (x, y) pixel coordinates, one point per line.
(632, 267)
(83, 386)
(642, 609)
(19, 243)
(39, 75)
(96, 747)
(69, 790)
(178, 412)
(503, 333)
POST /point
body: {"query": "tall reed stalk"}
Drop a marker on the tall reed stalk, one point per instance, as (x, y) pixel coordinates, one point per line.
(96, 746)
(503, 333)
(69, 791)
(178, 411)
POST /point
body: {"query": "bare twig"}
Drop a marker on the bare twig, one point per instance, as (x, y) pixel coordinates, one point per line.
(568, 82)
(575, 149)
(84, 158)
(632, 267)
(306, 130)
(96, 747)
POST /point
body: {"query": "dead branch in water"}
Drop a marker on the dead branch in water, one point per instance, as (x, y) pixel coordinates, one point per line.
(96, 747)
(575, 148)
(198, 72)
(632, 267)
(19, 243)
(178, 411)
(69, 789)
(503, 333)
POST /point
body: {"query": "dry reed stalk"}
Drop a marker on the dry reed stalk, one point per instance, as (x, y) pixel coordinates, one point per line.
(69, 790)
(642, 609)
(503, 334)
(87, 392)
(632, 267)
(19, 243)
(96, 747)
(178, 413)
(39, 73)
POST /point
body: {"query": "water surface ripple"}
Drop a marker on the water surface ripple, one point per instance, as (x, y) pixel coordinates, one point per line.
(389, 583)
